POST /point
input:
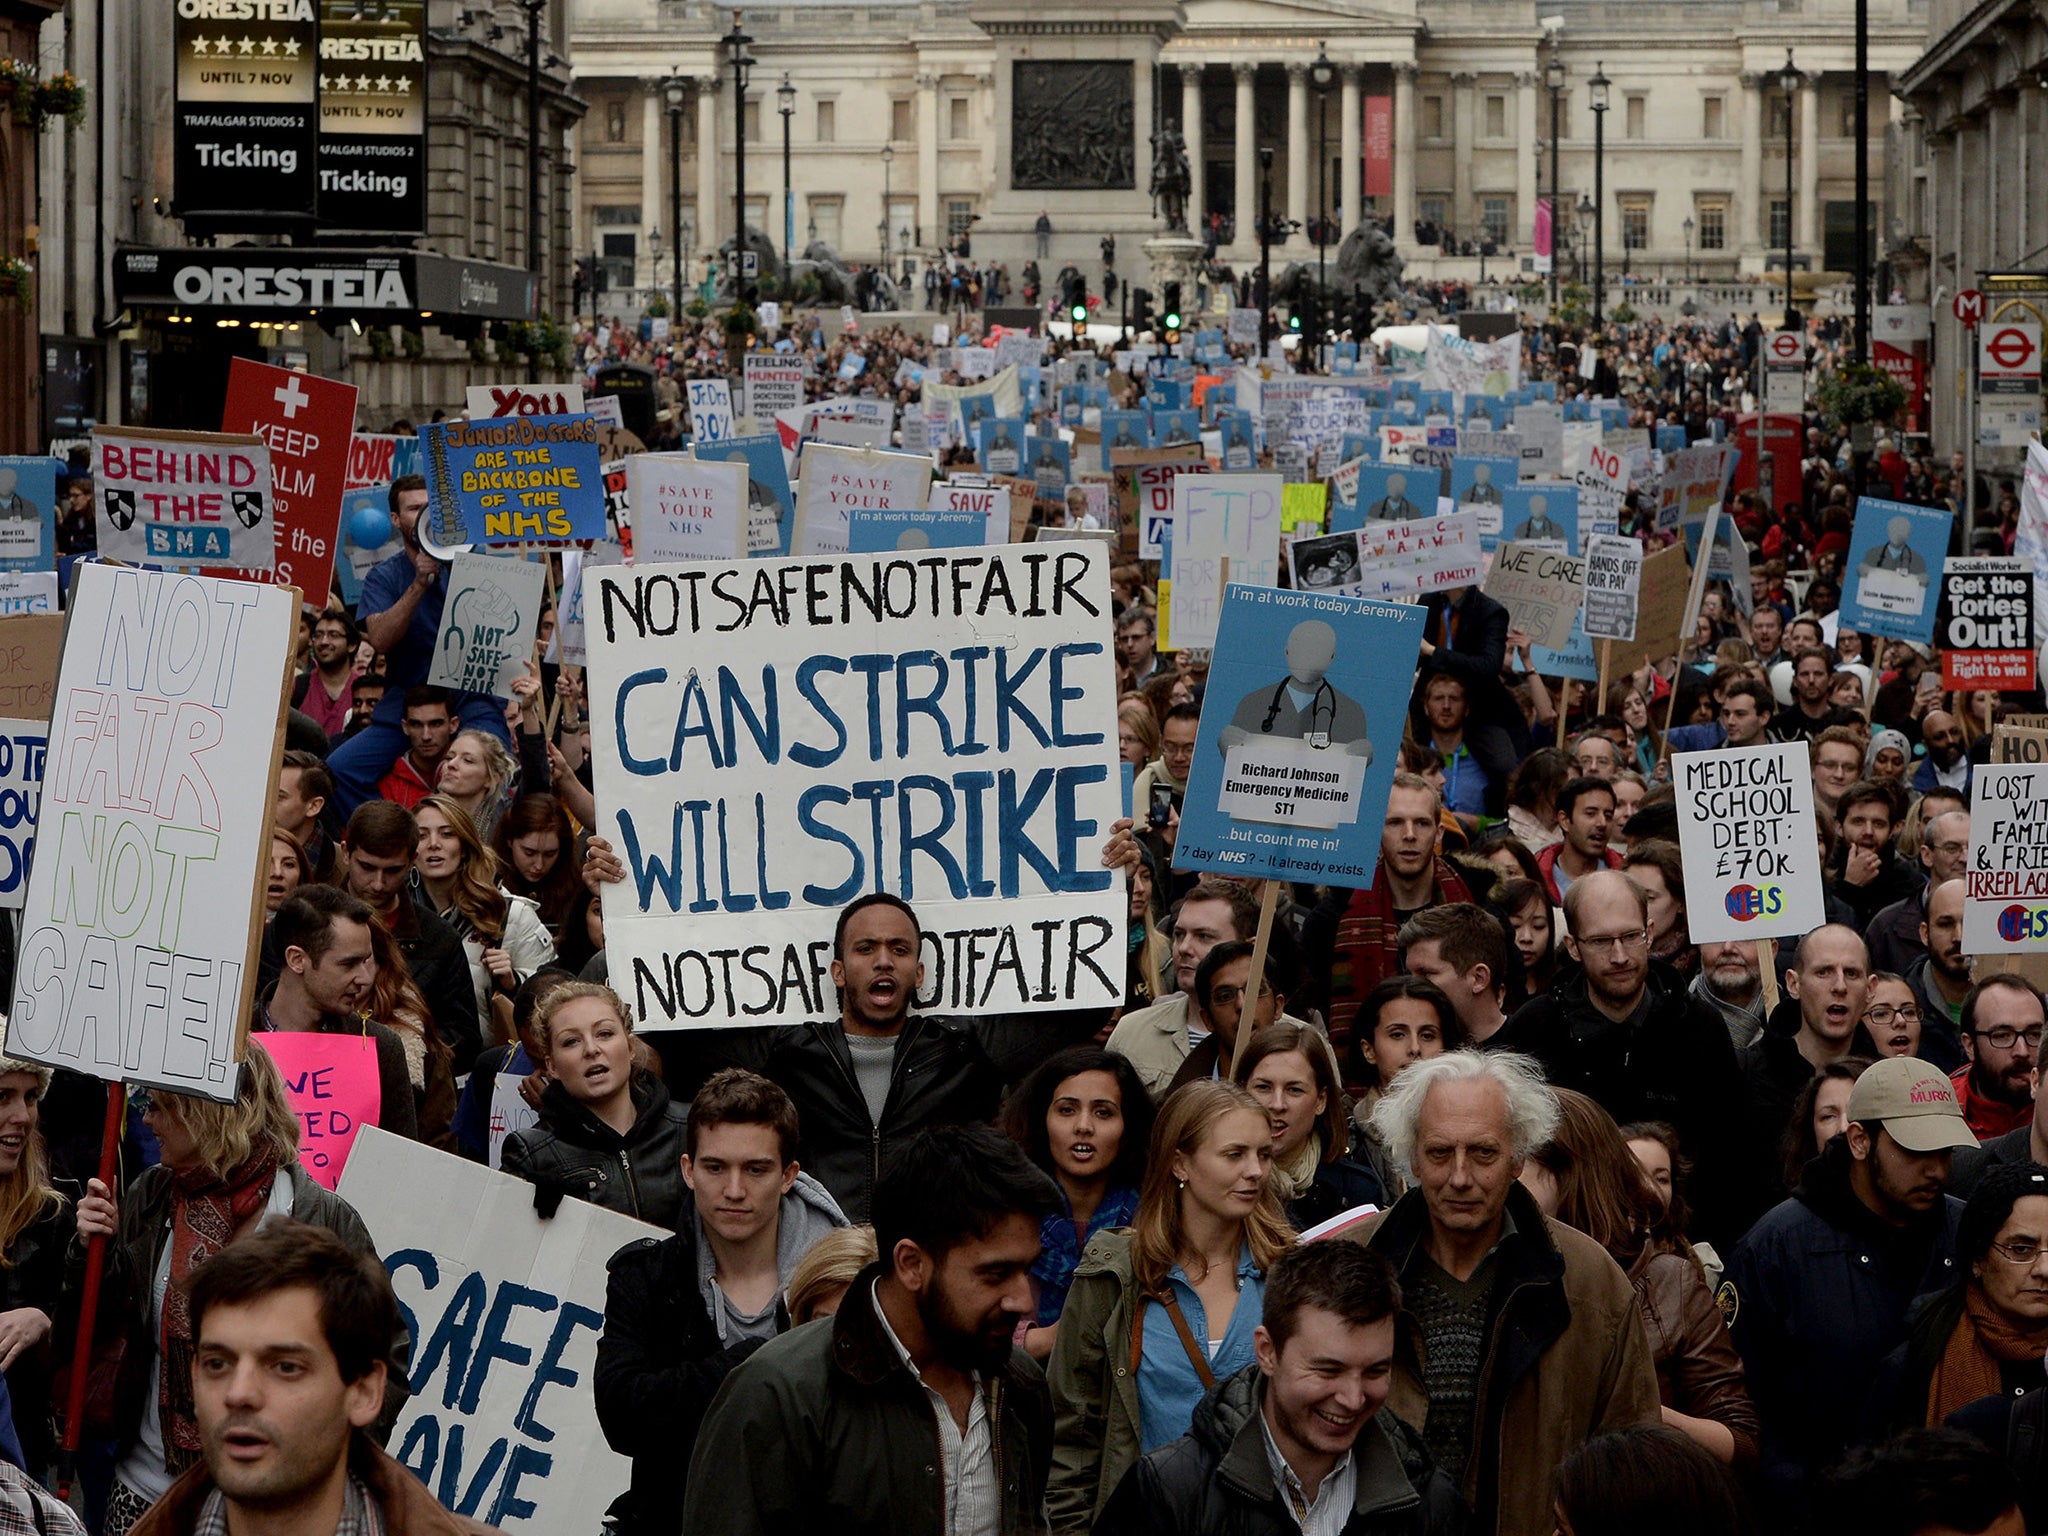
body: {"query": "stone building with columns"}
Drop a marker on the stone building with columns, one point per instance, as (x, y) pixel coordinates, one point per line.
(910, 120)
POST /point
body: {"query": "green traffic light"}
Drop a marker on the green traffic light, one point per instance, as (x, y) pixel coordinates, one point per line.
(1080, 312)
(1173, 322)
(1294, 322)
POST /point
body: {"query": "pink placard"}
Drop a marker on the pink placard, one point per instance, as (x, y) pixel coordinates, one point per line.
(332, 1083)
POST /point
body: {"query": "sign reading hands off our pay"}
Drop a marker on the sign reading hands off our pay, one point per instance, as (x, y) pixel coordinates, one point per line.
(774, 738)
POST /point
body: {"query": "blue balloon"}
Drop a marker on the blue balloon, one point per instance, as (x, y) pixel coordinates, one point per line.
(369, 527)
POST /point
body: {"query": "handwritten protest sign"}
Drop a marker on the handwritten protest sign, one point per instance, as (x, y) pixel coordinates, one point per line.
(23, 747)
(838, 479)
(1985, 628)
(782, 736)
(1407, 559)
(1541, 589)
(487, 623)
(28, 513)
(29, 647)
(142, 922)
(775, 382)
(331, 1083)
(27, 592)
(305, 420)
(1746, 833)
(510, 1114)
(2019, 743)
(1299, 737)
(505, 1311)
(2005, 894)
(687, 508)
(182, 498)
(1144, 490)
(533, 481)
(1614, 577)
(1218, 518)
(489, 401)
(710, 410)
(1888, 580)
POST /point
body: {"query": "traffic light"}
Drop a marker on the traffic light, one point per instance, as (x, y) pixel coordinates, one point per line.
(1170, 320)
(1078, 313)
(1141, 309)
(1294, 321)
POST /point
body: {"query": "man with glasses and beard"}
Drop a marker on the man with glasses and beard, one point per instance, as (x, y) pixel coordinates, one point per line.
(2002, 1020)
(913, 1395)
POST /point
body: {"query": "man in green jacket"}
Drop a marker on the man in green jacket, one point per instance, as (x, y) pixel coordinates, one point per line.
(910, 1413)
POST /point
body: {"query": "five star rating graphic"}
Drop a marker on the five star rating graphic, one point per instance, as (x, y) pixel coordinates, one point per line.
(340, 83)
(224, 47)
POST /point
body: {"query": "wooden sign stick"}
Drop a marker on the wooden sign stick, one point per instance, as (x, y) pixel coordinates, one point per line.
(1247, 1020)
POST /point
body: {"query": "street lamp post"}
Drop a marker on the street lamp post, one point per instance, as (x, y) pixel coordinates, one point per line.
(1788, 80)
(1265, 295)
(1322, 74)
(1597, 90)
(736, 44)
(1553, 76)
(1585, 223)
(533, 10)
(785, 103)
(882, 228)
(654, 250)
(1687, 227)
(1860, 343)
(672, 93)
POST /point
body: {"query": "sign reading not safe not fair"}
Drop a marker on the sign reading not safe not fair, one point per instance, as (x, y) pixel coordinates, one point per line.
(777, 737)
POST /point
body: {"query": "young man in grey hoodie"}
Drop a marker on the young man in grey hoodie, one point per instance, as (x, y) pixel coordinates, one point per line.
(682, 1312)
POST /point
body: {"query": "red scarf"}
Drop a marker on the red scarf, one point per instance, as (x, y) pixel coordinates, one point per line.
(1369, 948)
(206, 1213)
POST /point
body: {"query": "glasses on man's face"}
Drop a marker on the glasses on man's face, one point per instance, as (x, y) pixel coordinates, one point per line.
(2025, 1251)
(2005, 1037)
(1615, 943)
(1952, 849)
(1886, 1013)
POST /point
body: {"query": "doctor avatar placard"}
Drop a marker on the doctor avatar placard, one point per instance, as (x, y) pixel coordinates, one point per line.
(1300, 736)
(1888, 585)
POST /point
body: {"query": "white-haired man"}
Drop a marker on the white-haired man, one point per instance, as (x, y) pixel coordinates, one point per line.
(1527, 1331)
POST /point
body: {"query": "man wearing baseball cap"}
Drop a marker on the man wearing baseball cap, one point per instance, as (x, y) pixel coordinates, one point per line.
(1819, 1290)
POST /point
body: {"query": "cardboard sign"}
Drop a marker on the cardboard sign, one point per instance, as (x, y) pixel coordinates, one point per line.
(487, 623)
(144, 910)
(510, 1114)
(1144, 490)
(29, 648)
(1614, 578)
(1297, 746)
(492, 401)
(1218, 518)
(1985, 626)
(2005, 896)
(332, 1084)
(24, 746)
(535, 481)
(710, 403)
(687, 508)
(2019, 744)
(782, 735)
(182, 498)
(1746, 832)
(305, 420)
(504, 1431)
(28, 513)
(1541, 588)
(1888, 579)
(836, 480)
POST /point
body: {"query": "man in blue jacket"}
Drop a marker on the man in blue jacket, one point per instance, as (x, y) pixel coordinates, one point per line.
(1819, 1291)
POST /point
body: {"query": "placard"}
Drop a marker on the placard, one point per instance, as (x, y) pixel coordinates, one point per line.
(1299, 737)
(305, 420)
(1144, 491)
(378, 458)
(771, 503)
(26, 592)
(1985, 628)
(2005, 893)
(687, 508)
(710, 402)
(505, 1310)
(1660, 612)
(1477, 484)
(144, 910)
(28, 513)
(29, 648)
(1888, 579)
(182, 498)
(1541, 587)
(784, 735)
(1218, 518)
(1541, 514)
(332, 1084)
(837, 479)
(531, 481)
(510, 1114)
(489, 401)
(487, 623)
(1431, 554)
(871, 532)
(775, 383)
(1746, 832)
(1614, 577)
(24, 746)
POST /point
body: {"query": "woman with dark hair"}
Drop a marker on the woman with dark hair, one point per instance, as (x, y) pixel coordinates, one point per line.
(1532, 797)
(1291, 1069)
(1085, 1119)
(1820, 1113)
(535, 846)
(1402, 1021)
(1628, 703)
(1586, 1178)
(1505, 853)
(1631, 1481)
(1655, 865)
(1655, 1147)
(1986, 1335)
(1524, 907)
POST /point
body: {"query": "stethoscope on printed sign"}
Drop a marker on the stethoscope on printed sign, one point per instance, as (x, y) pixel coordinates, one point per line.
(1318, 740)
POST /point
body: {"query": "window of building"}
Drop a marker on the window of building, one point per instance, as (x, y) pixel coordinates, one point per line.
(751, 116)
(1432, 117)
(615, 121)
(1781, 224)
(1713, 113)
(1779, 115)
(757, 212)
(1635, 222)
(1495, 217)
(1847, 107)
(1496, 117)
(900, 127)
(959, 215)
(1635, 111)
(616, 250)
(828, 121)
(959, 122)
(627, 214)
(1430, 210)
(823, 214)
(1838, 234)
(1711, 224)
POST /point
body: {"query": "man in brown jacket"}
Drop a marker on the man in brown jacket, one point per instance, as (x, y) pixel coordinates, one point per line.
(290, 1330)
(1520, 1338)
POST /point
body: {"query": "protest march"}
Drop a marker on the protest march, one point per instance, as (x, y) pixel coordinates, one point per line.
(998, 932)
